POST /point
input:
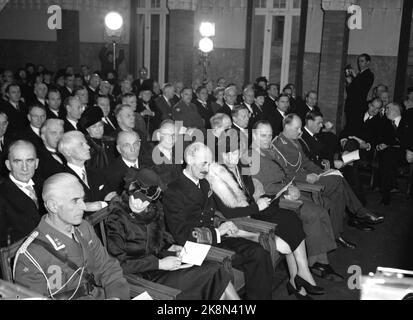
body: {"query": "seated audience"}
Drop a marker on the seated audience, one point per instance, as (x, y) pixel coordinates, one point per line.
(138, 239)
(85, 271)
(20, 201)
(190, 212)
(233, 195)
(337, 193)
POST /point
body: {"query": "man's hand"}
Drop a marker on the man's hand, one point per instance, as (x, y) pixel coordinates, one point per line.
(170, 263)
(326, 164)
(409, 156)
(228, 228)
(294, 193)
(263, 203)
(338, 164)
(382, 147)
(343, 143)
(110, 196)
(328, 126)
(312, 178)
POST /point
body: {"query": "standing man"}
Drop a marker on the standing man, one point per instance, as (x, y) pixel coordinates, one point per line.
(63, 258)
(20, 204)
(358, 86)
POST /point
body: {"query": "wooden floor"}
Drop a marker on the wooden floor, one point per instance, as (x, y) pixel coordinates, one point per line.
(390, 245)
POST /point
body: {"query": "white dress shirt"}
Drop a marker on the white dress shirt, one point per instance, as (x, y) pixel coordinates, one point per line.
(21, 185)
(131, 164)
(367, 116)
(397, 120)
(35, 130)
(73, 123)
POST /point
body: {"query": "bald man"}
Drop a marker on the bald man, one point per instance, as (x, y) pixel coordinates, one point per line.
(20, 204)
(63, 258)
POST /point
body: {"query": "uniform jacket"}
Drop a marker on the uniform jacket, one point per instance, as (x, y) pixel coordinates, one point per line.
(188, 207)
(188, 114)
(291, 158)
(87, 252)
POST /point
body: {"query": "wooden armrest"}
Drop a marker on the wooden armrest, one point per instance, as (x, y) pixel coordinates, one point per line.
(308, 187)
(290, 204)
(220, 255)
(12, 291)
(252, 225)
(157, 291)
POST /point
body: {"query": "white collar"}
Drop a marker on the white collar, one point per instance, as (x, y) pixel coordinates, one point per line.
(271, 98)
(56, 113)
(35, 130)
(309, 132)
(51, 150)
(202, 102)
(243, 130)
(76, 169)
(397, 120)
(15, 105)
(281, 112)
(19, 183)
(74, 123)
(311, 108)
(166, 152)
(230, 106)
(131, 164)
(68, 89)
(367, 116)
(195, 181)
(2, 140)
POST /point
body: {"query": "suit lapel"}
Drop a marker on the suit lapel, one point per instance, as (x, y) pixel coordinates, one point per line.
(22, 200)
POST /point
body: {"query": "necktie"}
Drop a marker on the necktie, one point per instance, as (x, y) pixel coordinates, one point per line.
(32, 195)
(84, 177)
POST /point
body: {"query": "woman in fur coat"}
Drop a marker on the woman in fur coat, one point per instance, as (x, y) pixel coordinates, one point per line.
(234, 198)
(137, 238)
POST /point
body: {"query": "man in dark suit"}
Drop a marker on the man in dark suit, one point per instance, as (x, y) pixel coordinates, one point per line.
(395, 140)
(93, 89)
(15, 110)
(142, 81)
(203, 106)
(190, 211)
(249, 98)
(54, 108)
(50, 161)
(240, 120)
(230, 97)
(147, 109)
(68, 88)
(109, 121)
(275, 116)
(128, 145)
(310, 104)
(40, 94)
(187, 112)
(74, 110)
(73, 146)
(163, 103)
(20, 196)
(358, 87)
(37, 117)
(4, 142)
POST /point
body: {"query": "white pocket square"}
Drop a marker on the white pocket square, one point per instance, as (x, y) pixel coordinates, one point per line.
(101, 187)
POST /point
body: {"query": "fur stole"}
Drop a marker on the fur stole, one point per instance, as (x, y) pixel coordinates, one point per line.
(226, 187)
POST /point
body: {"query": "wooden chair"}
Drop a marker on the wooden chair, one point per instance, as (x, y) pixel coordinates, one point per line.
(158, 291)
(311, 192)
(137, 286)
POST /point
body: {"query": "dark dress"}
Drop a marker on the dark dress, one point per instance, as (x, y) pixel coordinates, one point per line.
(140, 241)
(289, 226)
(102, 153)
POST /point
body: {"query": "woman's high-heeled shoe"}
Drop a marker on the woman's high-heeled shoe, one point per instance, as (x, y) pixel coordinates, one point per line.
(301, 283)
(291, 290)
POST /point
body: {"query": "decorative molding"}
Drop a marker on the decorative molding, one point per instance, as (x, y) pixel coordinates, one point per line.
(182, 4)
(336, 5)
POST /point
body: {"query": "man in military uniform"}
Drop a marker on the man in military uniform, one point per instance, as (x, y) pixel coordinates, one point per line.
(337, 194)
(63, 258)
(190, 211)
